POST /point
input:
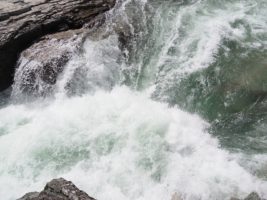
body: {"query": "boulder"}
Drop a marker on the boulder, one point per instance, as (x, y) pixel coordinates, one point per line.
(58, 189)
(24, 21)
(40, 64)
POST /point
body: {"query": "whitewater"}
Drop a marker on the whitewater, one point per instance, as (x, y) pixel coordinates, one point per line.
(156, 116)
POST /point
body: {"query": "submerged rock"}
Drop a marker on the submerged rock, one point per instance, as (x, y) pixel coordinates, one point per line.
(25, 21)
(58, 189)
(176, 196)
(251, 196)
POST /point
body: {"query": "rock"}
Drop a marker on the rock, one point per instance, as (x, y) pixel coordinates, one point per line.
(23, 22)
(58, 189)
(30, 196)
(251, 196)
(40, 64)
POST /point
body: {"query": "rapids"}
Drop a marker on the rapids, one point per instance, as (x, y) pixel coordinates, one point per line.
(166, 97)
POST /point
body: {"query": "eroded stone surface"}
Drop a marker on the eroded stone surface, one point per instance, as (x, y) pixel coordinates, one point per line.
(24, 21)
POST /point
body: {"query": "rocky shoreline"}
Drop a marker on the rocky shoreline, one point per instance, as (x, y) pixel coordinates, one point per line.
(24, 22)
(61, 189)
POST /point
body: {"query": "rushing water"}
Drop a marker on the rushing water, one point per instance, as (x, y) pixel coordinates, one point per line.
(169, 98)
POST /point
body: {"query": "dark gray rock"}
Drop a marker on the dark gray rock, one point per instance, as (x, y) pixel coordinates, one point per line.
(40, 64)
(30, 196)
(253, 196)
(58, 189)
(23, 22)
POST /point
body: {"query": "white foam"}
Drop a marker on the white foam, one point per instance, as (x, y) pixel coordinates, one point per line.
(121, 144)
(97, 67)
(116, 145)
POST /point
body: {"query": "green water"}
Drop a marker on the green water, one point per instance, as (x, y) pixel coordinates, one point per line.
(230, 90)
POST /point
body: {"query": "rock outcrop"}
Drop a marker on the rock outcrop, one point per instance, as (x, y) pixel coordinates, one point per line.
(58, 189)
(40, 64)
(24, 21)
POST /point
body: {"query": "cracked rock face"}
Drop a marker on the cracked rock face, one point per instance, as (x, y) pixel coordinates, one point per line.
(58, 189)
(22, 22)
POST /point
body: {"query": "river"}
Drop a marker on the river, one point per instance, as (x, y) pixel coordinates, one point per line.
(171, 99)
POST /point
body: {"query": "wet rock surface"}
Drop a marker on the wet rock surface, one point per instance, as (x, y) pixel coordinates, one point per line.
(22, 22)
(251, 196)
(40, 64)
(58, 189)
